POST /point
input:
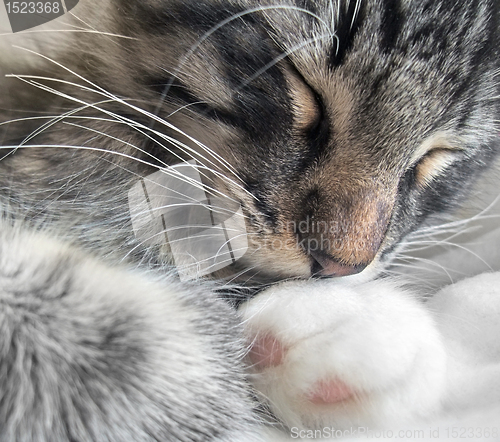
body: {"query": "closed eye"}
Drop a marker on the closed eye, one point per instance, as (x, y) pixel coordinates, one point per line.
(309, 111)
(434, 156)
(318, 132)
(433, 164)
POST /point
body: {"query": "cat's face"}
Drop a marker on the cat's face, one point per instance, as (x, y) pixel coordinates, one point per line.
(344, 124)
(338, 126)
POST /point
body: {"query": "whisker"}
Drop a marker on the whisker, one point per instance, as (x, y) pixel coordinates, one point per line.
(427, 261)
(131, 124)
(415, 244)
(236, 276)
(282, 56)
(69, 146)
(221, 24)
(357, 8)
(94, 30)
(75, 30)
(185, 107)
(469, 251)
(170, 171)
(141, 111)
(458, 223)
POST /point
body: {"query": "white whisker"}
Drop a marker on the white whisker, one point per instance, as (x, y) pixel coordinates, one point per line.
(220, 25)
(141, 111)
(282, 56)
(356, 12)
(133, 124)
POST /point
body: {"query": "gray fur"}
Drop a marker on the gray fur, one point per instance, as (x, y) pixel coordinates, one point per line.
(96, 342)
(96, 352)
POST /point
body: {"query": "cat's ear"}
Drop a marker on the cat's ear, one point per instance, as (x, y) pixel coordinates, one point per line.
(435, 155)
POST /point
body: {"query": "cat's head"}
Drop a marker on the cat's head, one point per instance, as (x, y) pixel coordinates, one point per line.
(342, 125)
(338, 126)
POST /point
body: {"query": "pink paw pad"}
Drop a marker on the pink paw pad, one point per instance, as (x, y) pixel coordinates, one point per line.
(266, 351)
(329, 392)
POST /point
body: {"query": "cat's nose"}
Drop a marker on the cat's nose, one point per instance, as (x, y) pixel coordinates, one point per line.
(325, 265)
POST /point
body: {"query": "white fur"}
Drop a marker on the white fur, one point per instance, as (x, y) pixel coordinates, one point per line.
(468, 314)
(431, 369)
(375, 337)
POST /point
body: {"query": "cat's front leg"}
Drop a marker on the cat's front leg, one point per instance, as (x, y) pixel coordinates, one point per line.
(94, 352)
(323, 354)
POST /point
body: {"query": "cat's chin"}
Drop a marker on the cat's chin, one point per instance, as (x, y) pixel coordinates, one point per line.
(322, 354)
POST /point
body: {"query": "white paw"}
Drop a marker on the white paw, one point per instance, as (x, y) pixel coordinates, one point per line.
(323, 354)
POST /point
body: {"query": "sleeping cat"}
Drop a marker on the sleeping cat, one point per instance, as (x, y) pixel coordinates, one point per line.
(336, 129)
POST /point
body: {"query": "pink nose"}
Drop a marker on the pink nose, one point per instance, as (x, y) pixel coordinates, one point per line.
(325, 265)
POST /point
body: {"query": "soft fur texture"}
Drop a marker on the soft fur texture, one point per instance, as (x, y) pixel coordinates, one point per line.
(374, 338)
(428, 369)
(339, 127)
(93, 352)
